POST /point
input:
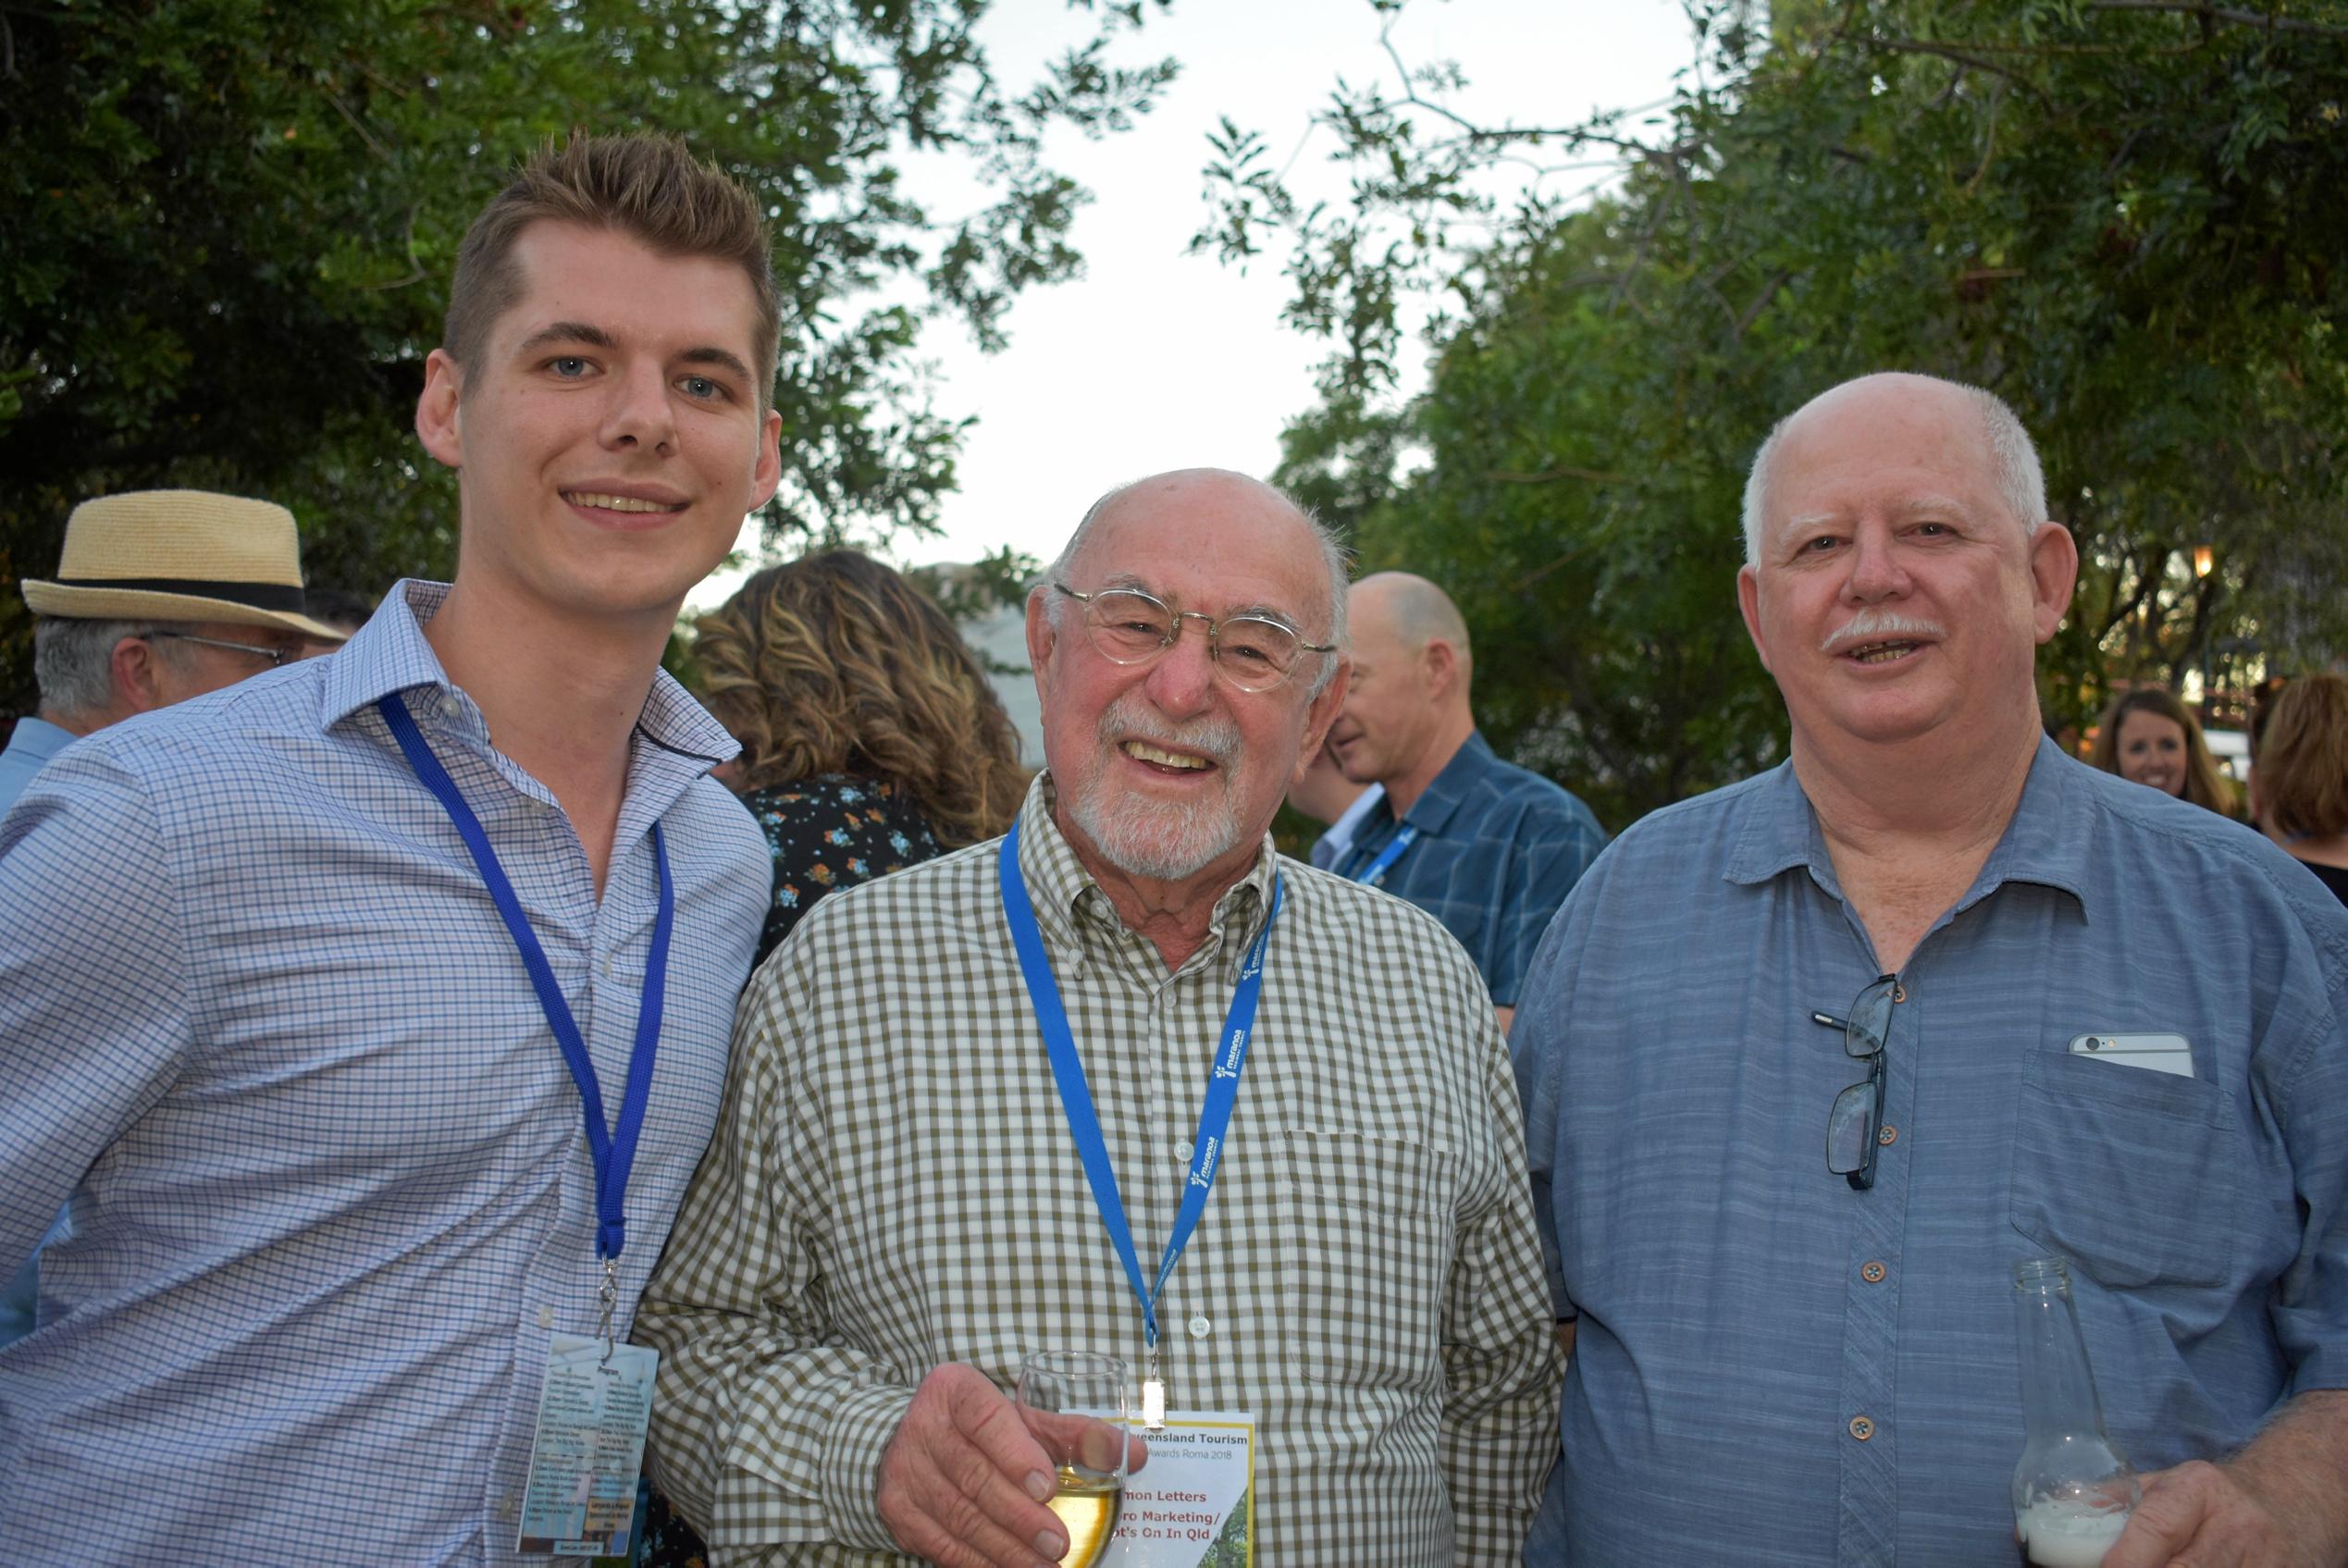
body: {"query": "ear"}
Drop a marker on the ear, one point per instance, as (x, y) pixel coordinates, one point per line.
(1320, 715)
(437, 423)
(1749, 605)
(136, 676)
(1041, 638)
(2054, 572)
(1439, 661)
(768, 477)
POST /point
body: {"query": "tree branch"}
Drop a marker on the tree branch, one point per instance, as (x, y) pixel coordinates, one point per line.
(2265, 21)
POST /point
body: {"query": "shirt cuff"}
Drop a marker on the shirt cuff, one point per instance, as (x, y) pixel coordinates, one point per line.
(861, 1428)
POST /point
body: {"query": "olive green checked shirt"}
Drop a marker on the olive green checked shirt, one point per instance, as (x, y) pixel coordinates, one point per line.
(893, 1187)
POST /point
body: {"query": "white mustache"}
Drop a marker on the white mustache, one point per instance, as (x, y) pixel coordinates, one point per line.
(1130, 718)
(1874, 625)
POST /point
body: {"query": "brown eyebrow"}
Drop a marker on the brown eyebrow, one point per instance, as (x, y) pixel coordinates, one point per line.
(719, 357)
(569, 332)
(593, 337)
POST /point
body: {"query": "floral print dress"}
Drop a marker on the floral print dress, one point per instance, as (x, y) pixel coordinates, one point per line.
(831, 832)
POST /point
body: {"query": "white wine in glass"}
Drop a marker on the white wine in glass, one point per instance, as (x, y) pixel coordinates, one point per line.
(1075, 1404)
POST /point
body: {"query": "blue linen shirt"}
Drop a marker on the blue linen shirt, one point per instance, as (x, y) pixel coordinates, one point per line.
(1499, 848)
(1741, 1309)
(30, 744)
(330, 1186)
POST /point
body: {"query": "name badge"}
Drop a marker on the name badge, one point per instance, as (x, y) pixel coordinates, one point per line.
(1194, 1500)
(593, 1409)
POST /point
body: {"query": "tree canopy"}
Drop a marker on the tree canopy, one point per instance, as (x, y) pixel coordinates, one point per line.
(2122, 215)
(231, 225)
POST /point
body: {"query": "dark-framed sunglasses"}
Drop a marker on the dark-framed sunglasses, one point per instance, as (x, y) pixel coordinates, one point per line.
(1855, 1125)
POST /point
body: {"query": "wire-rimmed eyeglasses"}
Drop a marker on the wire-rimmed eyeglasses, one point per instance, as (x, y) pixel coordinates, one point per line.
(276, 656)
(1251, 649)
(1854, 1126)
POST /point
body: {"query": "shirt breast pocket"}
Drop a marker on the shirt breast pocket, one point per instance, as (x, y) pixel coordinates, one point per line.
(1365, 1271)
(2125, 1171)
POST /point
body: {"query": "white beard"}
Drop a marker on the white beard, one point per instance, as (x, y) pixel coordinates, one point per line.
(1161, 840)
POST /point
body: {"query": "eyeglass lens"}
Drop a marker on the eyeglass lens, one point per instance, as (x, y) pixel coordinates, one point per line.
(1129, 626)
(1852, 1124)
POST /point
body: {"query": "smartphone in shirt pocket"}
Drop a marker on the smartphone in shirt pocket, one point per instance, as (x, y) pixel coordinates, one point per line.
(2157, 1052)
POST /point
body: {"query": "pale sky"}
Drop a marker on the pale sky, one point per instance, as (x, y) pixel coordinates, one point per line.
(1155, 359)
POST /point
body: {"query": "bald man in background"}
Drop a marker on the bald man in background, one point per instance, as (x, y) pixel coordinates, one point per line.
(1486, 847)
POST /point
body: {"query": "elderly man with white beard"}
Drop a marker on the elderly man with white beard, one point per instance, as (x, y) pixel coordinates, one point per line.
(965, 1126)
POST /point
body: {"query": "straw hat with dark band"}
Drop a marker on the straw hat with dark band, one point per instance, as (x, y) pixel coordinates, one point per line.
(179, 555)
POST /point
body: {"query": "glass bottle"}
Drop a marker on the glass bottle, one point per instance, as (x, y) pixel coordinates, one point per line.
(2073, 1488)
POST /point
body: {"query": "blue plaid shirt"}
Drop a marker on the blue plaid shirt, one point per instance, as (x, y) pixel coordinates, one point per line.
(330, 1192)
(1774, 1369)
(1499, 848)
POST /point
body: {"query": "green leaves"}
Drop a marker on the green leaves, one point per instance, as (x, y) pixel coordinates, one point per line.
(232, 224)
(2123, 217)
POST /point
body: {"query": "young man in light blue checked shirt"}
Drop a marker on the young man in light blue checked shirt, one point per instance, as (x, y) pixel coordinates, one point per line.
(319, 1096)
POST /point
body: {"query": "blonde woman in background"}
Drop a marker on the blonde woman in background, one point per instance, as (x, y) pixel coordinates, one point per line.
(2149, 737)
(871, 739)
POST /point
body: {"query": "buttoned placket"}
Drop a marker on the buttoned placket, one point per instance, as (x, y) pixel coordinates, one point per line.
(1868, 1437)
(1185, 1009)
(589, 943)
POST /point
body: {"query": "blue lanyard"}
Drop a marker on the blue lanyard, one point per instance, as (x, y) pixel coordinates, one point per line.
(1375, 871)
(1076, 1097)
(613, 1153)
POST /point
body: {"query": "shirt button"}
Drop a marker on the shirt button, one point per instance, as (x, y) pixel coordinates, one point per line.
(545, 1317)
(1873, 1272)
(607, 966)
(1182, 1151)
(1862, 1428)
(505, 1509)
(1200, 1328)
(1888, 1136)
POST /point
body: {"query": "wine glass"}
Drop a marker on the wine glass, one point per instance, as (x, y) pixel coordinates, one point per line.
(1075, 1404)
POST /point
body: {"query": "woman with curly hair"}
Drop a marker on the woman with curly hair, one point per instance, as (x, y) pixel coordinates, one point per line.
(871, 739)
(2149, 737)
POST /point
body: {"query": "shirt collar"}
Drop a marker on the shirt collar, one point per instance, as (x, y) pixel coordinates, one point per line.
(2046, 841)
(1432, 809)
(390, 654)
(39, 739)
(1067, 898)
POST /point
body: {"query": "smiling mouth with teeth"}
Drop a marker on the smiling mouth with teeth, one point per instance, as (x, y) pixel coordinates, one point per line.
(1882, 652)
(1140, 751)
(617, 503)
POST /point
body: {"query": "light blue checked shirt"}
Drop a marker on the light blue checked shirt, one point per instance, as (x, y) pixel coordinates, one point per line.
(1775, 1371)
(330, 1186)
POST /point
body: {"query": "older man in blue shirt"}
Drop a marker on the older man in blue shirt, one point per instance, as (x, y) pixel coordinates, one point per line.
(1486, 847)
(1785, 1358)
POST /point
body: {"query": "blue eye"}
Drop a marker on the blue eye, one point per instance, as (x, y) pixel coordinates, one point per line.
(702, 387)
(568, 366)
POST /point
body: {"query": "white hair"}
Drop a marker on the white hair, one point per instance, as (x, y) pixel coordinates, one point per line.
(2013, 461)
(1332, 551)
(73, 659)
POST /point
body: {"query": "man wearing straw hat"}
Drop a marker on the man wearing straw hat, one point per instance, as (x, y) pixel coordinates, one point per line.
(373, 1013)
(161, 596)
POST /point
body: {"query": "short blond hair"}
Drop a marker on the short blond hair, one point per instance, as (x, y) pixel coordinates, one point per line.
(648, 187)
